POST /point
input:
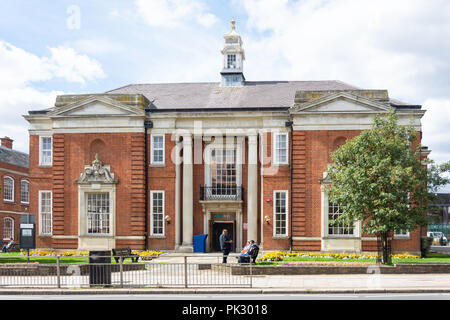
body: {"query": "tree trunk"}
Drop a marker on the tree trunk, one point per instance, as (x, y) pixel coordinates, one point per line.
(386, 248)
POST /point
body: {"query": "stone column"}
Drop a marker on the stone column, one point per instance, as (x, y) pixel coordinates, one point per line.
(188, 194)
(252, 188)
(177, 193)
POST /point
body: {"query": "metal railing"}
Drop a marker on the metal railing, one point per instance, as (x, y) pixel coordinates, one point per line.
(60, 272)
(222, 192)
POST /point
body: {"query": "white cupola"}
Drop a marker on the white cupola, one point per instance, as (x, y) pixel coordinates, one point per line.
(233, 59)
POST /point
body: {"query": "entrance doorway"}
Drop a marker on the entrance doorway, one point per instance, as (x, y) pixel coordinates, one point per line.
(217, 228)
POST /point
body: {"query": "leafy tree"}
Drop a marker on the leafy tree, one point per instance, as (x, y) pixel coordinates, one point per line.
(378, 178)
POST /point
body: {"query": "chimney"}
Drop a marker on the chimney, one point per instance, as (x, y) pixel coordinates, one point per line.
(7, 142)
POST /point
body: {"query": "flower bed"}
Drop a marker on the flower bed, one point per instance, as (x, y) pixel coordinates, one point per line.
(148, 254)
(327, 263)
(280, 255)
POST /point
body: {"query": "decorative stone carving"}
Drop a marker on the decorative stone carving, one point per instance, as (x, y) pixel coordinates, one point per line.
(97, 173)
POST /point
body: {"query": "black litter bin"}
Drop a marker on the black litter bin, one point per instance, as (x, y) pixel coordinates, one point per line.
(100, 268)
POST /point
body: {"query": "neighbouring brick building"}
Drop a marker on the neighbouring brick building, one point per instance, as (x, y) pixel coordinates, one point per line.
(15, 190)
(152, 165)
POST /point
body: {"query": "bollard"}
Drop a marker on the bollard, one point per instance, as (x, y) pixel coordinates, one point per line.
(251, 275)
(121, 272)
(185, 272)
(58, 272)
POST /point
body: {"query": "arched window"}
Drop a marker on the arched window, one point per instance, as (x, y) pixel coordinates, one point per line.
(8, 229)
(24, 191)
(8, 189)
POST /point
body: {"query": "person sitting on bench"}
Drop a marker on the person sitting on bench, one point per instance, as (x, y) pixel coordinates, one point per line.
(7, 246)
(244, 257)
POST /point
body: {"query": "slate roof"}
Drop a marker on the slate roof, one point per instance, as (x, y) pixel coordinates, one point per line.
(14, 157)
(201, 95)
(211, 95)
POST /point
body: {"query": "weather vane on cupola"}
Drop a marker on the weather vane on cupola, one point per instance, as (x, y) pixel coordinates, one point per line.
(233, 59)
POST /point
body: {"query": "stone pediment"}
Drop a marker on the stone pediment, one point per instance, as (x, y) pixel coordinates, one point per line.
(97, 173)
(340, 102)
(96, 106)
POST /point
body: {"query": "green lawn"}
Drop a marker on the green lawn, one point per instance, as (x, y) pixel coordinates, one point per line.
(431, 258)
(16, 257)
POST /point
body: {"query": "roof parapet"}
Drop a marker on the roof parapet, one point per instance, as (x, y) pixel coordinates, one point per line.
(137, 100)
(308, 96)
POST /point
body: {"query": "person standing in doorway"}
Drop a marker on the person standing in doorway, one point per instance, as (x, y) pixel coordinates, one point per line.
(225, 244)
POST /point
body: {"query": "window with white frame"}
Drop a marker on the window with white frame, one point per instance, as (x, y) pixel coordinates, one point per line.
(231, 61)
(98, 213)
(45, 153)
(341, 229)
(45, 212)
(157, 213)
(223, 172)
(8, 189)
(8, 228)
(280, 148)
(280, 212)
(24, 191)
(157, 149)
(401, 234)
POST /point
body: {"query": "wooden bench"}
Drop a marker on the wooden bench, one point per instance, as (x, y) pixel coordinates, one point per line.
(252, 257)
(254, 254)
(123, 254)
(13, 248)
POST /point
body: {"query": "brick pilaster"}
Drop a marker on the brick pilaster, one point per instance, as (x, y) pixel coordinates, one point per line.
(58, 183)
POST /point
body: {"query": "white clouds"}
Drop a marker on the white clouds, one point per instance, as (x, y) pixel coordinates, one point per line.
(21, 70)
(436, 128)
(401, 46)
(174, 13)
(68, 64)
(19, 67)
(382, 44)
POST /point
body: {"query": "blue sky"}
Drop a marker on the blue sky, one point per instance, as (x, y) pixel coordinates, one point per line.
(56, 47)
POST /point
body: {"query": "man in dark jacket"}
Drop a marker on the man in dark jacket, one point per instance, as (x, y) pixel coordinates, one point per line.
(225, 244)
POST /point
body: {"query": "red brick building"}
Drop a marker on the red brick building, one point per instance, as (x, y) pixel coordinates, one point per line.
(15, 190)
(153, 165)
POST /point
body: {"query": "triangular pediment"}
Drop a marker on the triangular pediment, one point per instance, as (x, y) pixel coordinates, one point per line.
(342, 102)
(95, 106)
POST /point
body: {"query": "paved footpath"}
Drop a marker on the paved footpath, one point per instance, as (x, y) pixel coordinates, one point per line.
(272, 284)
(404, 283)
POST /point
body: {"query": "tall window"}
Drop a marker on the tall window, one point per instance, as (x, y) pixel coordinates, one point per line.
(157, 213)
(280, 148)
(24, 191)
(157, 149)
(342, 229)
(8, 229)
(8, 189)
(98, 213)
(223, 171)
(45, 212)
(45, 154)
(280, 213)
(231, 61)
